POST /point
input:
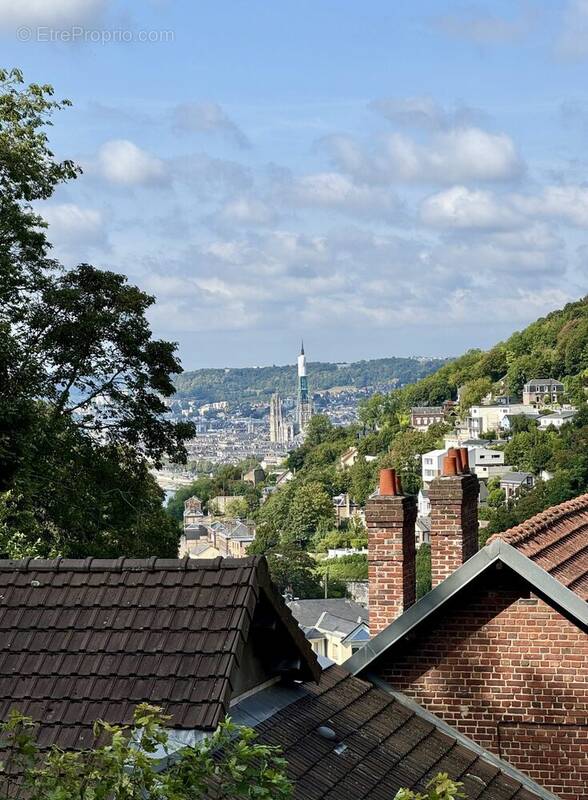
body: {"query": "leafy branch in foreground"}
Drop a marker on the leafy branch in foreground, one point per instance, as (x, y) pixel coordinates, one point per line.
(441, 787)
(134, 762)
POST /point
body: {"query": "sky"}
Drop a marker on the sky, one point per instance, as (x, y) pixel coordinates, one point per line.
(380, 178)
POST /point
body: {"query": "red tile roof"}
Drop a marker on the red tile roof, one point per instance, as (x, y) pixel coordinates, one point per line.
(557, 541)
(87, 639)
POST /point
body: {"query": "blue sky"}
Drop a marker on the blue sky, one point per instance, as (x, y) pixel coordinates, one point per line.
(381, 178)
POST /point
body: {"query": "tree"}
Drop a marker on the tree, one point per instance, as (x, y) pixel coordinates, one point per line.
(440, 788)
(423, 570)
(363, 480)
(82, 381)
(311, 509)
(293, 571)
(125, 764)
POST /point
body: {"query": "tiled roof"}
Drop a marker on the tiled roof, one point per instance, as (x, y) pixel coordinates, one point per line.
(557, 541)
(380, 745)
(88, 639)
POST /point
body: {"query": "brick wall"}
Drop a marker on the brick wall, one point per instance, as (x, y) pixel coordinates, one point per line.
(390, 522)
(510, 672)
(454, 523)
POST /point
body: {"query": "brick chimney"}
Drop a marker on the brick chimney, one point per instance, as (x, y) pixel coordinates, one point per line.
(454, 515)
(390, 519)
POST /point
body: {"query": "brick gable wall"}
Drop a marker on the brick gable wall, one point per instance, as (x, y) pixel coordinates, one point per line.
(510, 672)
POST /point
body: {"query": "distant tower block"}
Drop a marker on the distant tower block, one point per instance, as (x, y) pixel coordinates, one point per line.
(304, 408)
(276, 420)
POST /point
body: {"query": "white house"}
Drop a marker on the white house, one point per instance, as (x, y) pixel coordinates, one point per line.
(432, 465)
(555, 420)
(514, 482)
(482, 459)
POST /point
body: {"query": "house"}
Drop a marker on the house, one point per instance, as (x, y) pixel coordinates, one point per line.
(231, 537)
(255, 476)
(351, 738)
(431, 465)
(484, 460)
(555, 420)
(513, 483)
(423, 503)
(345, 508)
(88, 639)
(482, 417)
(508, 422)
(283, 477)
(335, 627)
(422, 530)
(221, 504)
(499, 648)
(193, 513)
(350, 456)
(543, 391)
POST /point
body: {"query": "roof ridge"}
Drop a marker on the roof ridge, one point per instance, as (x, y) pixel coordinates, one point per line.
(122, 564)
(541, 521)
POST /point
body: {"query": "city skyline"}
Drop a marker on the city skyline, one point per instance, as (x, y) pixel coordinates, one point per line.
(414, 185)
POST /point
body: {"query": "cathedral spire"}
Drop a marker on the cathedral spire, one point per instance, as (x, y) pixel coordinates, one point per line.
(302, 347)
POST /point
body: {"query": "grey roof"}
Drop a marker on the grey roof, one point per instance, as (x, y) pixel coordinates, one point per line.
(333, 624)
(308, 612)
(544, 381)
(377, 742)
(516, 477)
(558, 595)
(423, 523)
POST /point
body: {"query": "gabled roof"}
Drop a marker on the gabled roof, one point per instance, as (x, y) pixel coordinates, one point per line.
(516, 477)
(544, 584)
(557, 541)
(308, 612)
(87, 639)
(376, 741)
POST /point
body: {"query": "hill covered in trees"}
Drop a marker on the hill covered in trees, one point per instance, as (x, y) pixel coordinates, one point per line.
(298, 519)
(258, 383)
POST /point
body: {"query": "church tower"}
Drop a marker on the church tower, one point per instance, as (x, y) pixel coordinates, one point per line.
(304, 407)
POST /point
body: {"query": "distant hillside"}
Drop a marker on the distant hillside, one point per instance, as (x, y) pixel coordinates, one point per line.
(258, 383)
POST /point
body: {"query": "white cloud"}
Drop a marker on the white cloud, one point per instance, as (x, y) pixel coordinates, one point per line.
(336, 191)
(245, 210)
(207, 118)
(122, 162)
(50, 12)
(463, 208)
(461, 154)
(572, 42)
(568, 204)
(70, 224)
(457, 155)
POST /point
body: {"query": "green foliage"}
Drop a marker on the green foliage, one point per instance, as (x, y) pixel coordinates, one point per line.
(82, 382)
(473, 391)
(345, 568)
(423, 570)
(441, 787)
(363, 480)
(231, 762)
(293, 571)
(256, 384)
(311, 510)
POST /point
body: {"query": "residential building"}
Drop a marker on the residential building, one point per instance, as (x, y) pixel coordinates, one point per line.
(508, 422)
(255, 476)
(484, 460)
(482, 418)
(193, 513)
(543, 391)
(336, 628)
(422, 530)
(192, 638)
(221, 504)
(556, 420)
(345, 508)
(432, 463)
(88, 639)
(422, 417)
(499, 647)
(423, 503)
(513, 483)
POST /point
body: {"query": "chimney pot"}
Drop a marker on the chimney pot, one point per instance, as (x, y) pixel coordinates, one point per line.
(450, 466)
(388, 483)
(465, 459)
